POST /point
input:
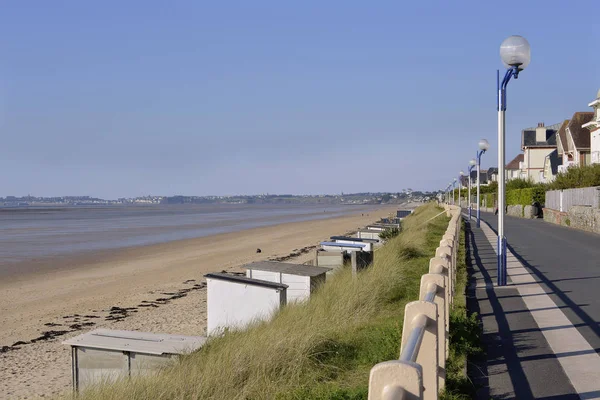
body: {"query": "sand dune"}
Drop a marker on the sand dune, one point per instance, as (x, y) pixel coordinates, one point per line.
(158, 288)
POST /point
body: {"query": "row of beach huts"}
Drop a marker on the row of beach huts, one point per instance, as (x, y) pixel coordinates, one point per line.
(233, 302)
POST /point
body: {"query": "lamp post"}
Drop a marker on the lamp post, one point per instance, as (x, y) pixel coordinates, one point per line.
(483, 146)
(471, 165)
(459, 187)
(516, 55)
(453, 191)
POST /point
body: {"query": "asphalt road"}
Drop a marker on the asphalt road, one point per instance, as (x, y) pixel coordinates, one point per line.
(566, 262)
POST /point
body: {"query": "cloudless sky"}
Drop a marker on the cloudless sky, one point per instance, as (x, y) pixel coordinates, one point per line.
(130, 98)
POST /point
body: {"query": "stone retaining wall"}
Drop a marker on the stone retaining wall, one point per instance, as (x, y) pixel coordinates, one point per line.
(581, 217)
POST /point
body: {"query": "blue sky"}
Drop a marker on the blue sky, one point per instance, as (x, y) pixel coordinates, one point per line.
(133, 98)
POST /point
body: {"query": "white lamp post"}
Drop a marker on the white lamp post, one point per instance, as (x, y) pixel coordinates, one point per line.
(483, 146)
(453, 191)
(472, 164)
(459, 187)
(515, 54)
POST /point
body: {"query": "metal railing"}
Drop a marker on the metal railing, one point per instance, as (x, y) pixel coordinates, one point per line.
(419, 373)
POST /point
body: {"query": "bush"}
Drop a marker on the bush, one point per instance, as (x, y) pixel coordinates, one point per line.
(491, 188)
(526, 196)
(519, 183)
(577, 177)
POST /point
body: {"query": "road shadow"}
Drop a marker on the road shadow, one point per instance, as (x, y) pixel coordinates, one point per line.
(500, 347)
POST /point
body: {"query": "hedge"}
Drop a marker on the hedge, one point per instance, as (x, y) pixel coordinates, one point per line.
(526, 197)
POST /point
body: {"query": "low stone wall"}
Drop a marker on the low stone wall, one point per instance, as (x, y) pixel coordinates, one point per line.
(581, 217)
(585, 218)
(529, 212)
(514, 211)
(555, 217)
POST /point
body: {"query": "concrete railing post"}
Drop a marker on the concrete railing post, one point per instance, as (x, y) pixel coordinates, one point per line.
(430, 321)
(446, 252)
(437, 266)
(428, 353)
(397, 380)
(438, 281)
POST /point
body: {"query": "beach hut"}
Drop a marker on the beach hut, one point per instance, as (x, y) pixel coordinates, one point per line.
(382, 227)
(106, 355)
(351, 239)
(403, 213)
(369, 234)
(301, 279)
(347, 247)
(390, 221)
(233, 301)
(330, 259)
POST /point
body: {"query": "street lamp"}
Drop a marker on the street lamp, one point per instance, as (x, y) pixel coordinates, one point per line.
(453, 191)
(471, 166)
(515, 54)
(483, 146)
(459, 186)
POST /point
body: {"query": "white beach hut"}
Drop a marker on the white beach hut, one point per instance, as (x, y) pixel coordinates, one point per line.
(301, 279)
(234, 301)
(330, 259)
(369, 234)
(347, 247)
(105, 354)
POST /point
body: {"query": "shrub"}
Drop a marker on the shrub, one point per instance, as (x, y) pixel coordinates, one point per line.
(526, 196)
(577, 177)
(519, 183)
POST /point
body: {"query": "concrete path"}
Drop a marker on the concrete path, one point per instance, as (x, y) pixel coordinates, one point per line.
(542, 331)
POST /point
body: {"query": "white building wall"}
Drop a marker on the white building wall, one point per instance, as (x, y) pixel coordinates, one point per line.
(534, 162)
(235, 305)
(595, 147)
(299, 285)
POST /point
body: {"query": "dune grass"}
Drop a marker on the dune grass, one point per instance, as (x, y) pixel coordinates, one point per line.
(321, 349)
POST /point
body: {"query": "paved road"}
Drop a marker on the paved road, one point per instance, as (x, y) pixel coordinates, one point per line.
(566, 261)
(555, 276)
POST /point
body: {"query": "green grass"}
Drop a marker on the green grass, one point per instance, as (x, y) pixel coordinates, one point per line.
(321, 349)
(465, 335)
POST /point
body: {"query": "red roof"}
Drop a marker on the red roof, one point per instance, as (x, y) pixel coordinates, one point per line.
(514, 164)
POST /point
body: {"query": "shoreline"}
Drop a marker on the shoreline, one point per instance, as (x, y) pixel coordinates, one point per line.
(91, 258)
(156, 235)
(158, 288)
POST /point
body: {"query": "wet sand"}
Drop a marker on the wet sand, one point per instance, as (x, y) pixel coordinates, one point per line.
(156, 288)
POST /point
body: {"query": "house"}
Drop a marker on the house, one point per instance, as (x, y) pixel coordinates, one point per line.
(552, 162)
(513, 168)
(562, 144)
(594, 126)
(536, 144)
(483, 177)
(493, 174)
(575, 141)
(464, 181)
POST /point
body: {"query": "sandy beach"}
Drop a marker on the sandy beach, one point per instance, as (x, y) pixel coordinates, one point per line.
(156, 288)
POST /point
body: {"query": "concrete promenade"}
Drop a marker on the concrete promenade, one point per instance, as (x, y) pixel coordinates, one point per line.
(541, 333)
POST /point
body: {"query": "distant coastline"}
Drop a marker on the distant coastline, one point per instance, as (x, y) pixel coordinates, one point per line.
(351, 199)
(31, 235)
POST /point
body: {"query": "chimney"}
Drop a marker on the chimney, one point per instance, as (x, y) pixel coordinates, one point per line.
(540, 133)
